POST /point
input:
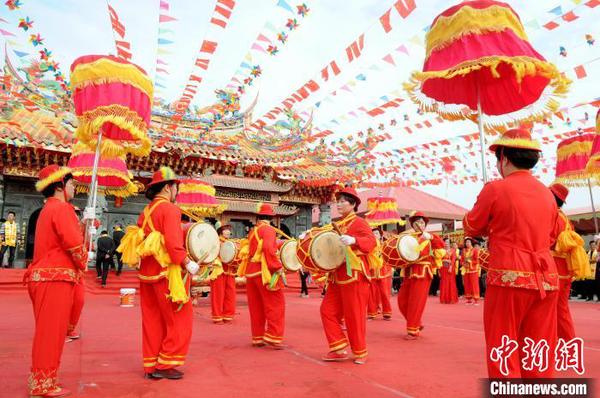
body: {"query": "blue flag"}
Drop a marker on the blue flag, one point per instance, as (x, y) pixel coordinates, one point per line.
(283, 4)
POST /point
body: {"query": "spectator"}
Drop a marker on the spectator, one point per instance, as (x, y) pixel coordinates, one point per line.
(9, 233)
(105, 252)
(118, 234)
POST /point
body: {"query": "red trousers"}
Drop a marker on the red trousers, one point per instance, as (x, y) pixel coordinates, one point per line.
(166, 331)
(222, 298)
(566, 330)
(347, 302)
(448, 291)
(471, 282)
(379, 297)
(266, 307)
(52, 302)
(412, 298)
(518, 313)
(78, 300)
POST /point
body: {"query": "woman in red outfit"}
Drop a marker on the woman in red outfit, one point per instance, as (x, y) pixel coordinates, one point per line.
(222, 287)
(448, 292)
(58, 259)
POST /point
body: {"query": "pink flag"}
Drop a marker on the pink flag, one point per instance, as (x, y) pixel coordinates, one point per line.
(6, 32)
(262, 37)
(402, 49)
(255, 46)
(161, 62)
(164, 5)
(388, 58)
(166, 18)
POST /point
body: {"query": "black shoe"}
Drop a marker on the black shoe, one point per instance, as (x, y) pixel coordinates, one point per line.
(172, 374)
(149, 376)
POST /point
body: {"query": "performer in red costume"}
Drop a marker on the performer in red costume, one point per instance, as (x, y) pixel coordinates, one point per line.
(565, 327)
(519, 215)
(58, 259)
(222, 287)
(448, 292)
(164, 289)
(348, 286)
(264, 283)
(470, 271)
(412, 296)
(381, 285)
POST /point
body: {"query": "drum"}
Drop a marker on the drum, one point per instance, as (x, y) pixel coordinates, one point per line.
(229, 251)
(400, 250)
(288, 257)
(127, 297)
(202, 242)
(321, 251)
(484, 258)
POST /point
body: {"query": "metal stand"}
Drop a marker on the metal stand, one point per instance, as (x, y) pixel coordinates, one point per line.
(481, 136)
(593, 207)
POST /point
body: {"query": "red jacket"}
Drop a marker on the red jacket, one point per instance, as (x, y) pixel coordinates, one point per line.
(519, 215)
(425, 265)
(59, 253)
(360, 230)
(269, 249)
(449, 261)
(166, 219)
(470, 260)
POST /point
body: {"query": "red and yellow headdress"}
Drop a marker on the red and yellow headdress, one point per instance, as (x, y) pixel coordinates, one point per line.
(51, 174)
(265, 209)
(516, 138)
(164, 174)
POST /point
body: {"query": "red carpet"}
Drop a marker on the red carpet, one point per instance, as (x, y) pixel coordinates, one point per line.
(448, 360)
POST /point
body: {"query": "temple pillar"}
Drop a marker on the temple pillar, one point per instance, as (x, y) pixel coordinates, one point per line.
(324, 214)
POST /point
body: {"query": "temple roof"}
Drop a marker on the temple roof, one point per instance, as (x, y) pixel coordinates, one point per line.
(252, 184)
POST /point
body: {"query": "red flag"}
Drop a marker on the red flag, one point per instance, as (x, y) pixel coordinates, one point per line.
(312, 86)
(218, 22)
(195, 78)
(124, 44)
(208, 47)
(227, 3)
(353, 51)
(551, 25)
(385, 21)
(122, 53)
(405, 7)
(570, 16)
(580, 72)
(334, 68)
(202, 63)
(226, 13)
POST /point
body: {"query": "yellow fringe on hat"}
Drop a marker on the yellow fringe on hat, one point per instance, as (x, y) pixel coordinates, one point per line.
(467, 21)
(104, 70)
(92, 121)
(57, 176)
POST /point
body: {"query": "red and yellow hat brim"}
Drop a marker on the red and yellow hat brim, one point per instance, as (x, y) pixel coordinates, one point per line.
(57, 176)
(519, 143)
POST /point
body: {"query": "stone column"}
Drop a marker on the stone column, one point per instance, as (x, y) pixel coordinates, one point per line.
(324, 214)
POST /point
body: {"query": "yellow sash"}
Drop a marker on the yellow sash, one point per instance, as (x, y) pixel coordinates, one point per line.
(135, 246)
(570, 244)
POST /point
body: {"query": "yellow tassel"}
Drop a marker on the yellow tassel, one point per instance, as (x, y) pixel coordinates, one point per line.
(570, 244)
(133, 237)
(439, 254)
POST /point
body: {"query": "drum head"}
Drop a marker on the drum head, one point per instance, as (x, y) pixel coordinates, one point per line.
(288, 256)
(408, 246)
(203, 243)
(228, 251)
(327, 251)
